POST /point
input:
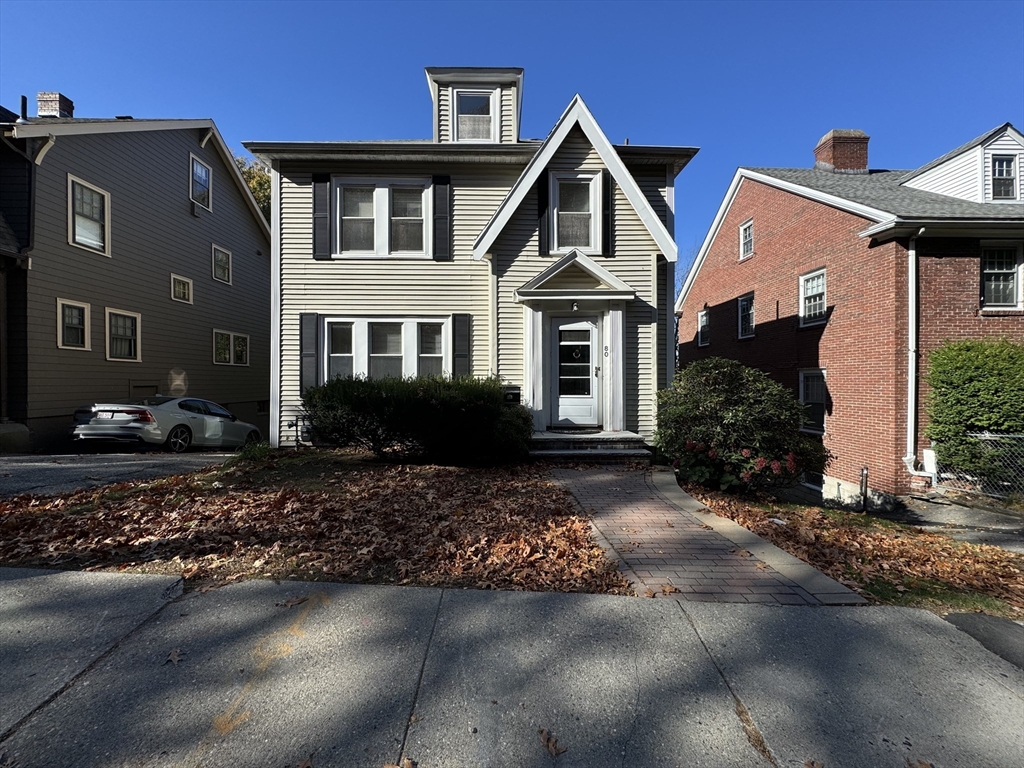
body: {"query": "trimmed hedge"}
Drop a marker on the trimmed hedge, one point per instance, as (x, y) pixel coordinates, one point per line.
(727, 425)
(446, 421)
(976, 386)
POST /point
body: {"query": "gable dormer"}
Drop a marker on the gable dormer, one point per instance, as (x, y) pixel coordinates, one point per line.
(986, 170)
(476, 105)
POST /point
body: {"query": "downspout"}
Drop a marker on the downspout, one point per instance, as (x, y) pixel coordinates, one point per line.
(910, 459)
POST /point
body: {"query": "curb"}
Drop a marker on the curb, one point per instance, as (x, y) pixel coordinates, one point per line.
(823, 588)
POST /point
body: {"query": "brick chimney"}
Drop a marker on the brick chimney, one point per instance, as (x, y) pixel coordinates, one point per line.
(53, 104)
(842, 151)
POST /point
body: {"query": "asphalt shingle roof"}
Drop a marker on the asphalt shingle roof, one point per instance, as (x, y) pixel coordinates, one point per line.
(882, 190)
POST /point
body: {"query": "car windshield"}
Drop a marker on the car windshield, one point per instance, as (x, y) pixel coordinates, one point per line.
(155, 400)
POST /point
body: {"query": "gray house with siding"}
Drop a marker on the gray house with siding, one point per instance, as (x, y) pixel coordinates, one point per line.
(546, 263)
(133, 261)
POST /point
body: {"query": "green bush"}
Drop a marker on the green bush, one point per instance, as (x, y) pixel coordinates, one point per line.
(728, 425)
(976, 386)
(447, 421)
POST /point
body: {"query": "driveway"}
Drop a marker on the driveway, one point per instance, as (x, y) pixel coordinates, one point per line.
(47, 475)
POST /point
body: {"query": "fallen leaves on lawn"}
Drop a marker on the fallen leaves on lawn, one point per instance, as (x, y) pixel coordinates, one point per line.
(551, 743)
(850, 549)
(510, 528)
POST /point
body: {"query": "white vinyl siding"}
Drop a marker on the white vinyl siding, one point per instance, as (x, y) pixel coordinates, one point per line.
(405, 288)
(518, 262)
(957, 177)
(508, 115)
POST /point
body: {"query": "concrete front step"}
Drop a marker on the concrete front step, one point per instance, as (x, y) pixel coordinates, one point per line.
(595, 455)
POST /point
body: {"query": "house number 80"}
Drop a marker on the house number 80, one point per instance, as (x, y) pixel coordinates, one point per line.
(606, 351)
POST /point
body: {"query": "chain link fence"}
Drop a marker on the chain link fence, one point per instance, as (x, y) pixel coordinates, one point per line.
(985, 463)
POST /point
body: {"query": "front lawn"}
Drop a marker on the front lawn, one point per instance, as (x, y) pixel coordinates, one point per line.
(321, 515)
(887, 562)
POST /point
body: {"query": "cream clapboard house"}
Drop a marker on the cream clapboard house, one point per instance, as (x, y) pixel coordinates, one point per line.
(547, 263)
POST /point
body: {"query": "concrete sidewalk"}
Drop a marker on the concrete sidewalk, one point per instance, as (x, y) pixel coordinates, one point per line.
(113, 671)
(671, 544)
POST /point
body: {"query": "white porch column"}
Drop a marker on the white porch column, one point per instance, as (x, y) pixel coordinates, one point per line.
(533, 365)
(616, 417)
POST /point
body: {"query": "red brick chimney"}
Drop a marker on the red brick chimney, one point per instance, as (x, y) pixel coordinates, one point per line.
(53, 104)
(842, 151)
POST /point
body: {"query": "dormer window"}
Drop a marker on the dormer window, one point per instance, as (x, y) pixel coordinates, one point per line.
(476, 114)
(1004, 179)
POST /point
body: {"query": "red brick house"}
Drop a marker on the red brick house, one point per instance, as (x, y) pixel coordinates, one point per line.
(838, 281)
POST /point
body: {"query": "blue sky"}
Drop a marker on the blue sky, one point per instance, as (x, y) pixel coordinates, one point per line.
(749, 83)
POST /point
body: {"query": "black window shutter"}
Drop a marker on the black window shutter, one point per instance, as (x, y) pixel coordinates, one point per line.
(460, 345)
(321, 216)
(543, 216)
(442, 218)
(606, 212)
(309, 350)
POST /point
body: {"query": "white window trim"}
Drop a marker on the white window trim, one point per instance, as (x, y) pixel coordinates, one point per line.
(749, 223)
(232, 336)
(824, 420)
(190, 288)
(213, 264)
(410, 342)
(803, 282)
(1019, 247)
(703, 315)
(453, 128)
(382, 216)
(1015, 160)
(72, 180)
(60, 324)
(739, 316)
(108, 311)
(194, 159)
(596, 211)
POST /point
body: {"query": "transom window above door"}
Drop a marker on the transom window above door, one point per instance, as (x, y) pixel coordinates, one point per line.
(382, 217)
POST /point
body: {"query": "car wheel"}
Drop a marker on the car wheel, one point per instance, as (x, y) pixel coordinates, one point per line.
(179, 439)
(252, 437)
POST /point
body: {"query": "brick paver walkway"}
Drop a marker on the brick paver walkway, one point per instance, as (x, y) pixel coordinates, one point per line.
(667, 547)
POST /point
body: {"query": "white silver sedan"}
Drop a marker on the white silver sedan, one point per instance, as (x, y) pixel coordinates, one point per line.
(174, 422)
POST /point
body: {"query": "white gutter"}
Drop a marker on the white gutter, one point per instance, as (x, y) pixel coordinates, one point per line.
(910, 459)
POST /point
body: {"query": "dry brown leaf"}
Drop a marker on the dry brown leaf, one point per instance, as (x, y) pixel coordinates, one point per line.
(650, 593)
(919, 764)
(174, 657)
(291, 602)
(551, 743)
(307, 763)
(813, 764)
(740, 553)
(668, 589)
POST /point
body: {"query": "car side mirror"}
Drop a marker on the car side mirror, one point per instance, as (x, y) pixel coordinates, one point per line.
(233, 417)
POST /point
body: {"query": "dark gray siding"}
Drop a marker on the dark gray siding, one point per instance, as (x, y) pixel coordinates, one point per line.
(153, 233)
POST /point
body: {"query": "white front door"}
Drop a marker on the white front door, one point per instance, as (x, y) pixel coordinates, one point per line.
(575, 379)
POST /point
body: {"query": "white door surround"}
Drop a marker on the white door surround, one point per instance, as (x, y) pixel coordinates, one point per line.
(574, 377)
(540, 386)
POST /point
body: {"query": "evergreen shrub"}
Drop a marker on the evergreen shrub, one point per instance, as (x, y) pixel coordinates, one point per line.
(729, 426)
(462, 421)
(976, 386)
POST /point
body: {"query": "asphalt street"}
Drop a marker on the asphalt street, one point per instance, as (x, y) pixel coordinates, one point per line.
(47, 475)
(113, 670)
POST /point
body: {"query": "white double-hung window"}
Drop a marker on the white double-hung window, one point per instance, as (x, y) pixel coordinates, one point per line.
(576, 205)
(88, 216)
(1002, 270)
(813, 303)
(475, 114)
(382, 217)
(387, 347)
(1004, 178)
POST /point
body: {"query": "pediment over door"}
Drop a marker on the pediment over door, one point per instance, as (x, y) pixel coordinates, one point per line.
(575, 276)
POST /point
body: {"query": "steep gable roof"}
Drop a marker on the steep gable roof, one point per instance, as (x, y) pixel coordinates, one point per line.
(606, 284)
(575, 114)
